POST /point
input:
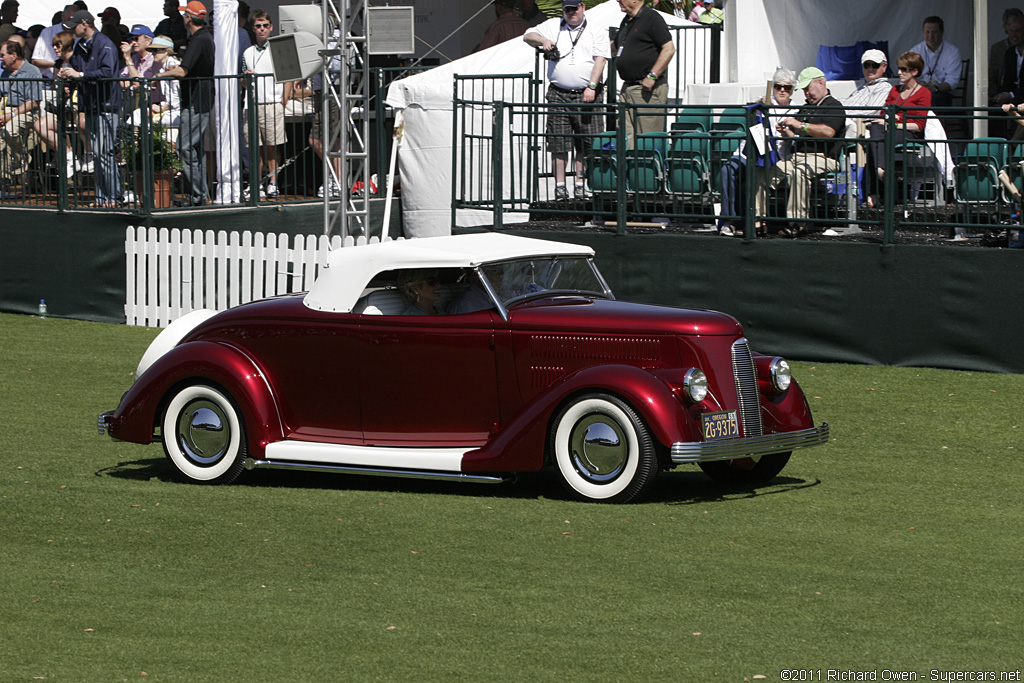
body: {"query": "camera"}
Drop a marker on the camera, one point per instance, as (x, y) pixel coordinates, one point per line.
(552, 55)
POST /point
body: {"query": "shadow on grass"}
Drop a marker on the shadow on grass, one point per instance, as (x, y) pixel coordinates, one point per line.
(671, 488)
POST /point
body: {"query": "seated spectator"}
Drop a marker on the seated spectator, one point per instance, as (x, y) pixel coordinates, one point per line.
(814, 152)
(733, 178)
(997, 51)
(873, 92)
(910, 124)
(941, 74)
(421, 289)
(165, 108)
(59, 112)
(21, 88)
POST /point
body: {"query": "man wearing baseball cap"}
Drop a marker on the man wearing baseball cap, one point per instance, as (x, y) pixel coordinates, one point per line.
(95, 61)
(875, 89)
(196, 74)
(812, 130)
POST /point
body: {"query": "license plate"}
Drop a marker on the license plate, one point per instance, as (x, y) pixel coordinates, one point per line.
(721, 425)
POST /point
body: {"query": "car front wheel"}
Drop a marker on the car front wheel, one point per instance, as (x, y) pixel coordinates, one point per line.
(603, 450)
(204, 435)
(746, 470)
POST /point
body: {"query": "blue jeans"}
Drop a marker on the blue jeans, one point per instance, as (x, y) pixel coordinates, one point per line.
(101, 127)
(733, 191)
(191, 133)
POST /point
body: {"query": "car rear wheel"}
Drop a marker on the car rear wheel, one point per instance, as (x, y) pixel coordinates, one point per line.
(603, 450)
(746, 470)
(204, 435)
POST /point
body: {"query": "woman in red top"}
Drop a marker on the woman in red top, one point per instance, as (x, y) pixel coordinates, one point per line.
(909, 122)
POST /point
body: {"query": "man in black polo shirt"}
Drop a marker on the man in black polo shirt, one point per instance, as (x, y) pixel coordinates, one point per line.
(815, 150)
(196, 74)
(643, 48)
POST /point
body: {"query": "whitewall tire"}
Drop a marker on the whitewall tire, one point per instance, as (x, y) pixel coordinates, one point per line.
(204, 435)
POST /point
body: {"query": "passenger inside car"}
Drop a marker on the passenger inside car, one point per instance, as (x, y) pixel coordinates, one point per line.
(422, 290)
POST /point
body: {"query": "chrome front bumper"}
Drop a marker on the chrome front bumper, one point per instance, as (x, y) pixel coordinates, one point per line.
(103, 422)
(755, 446)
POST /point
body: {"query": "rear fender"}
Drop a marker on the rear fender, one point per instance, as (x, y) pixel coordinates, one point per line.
(200, 362)
(520, 446)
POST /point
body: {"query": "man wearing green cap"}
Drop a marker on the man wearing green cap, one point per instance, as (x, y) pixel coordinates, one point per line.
(815, 152)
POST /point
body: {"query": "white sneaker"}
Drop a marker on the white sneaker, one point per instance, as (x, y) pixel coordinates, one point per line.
(71, 165)
(272, 192)
(727, 231)
(320, 192)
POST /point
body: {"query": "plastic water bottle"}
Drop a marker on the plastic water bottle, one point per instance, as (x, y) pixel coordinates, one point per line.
(42, 308)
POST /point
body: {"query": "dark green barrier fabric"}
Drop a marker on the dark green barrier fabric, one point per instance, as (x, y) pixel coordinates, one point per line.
(829, 301)
(812, 300)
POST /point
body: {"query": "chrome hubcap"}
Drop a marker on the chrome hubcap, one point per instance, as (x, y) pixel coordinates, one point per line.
(599, 448)
(203, 432)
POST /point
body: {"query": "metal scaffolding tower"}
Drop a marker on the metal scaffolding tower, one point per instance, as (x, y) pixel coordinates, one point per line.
(345, 118)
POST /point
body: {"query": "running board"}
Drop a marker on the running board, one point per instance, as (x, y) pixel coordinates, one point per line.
(251, 464)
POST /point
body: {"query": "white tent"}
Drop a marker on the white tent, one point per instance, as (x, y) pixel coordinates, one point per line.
(425, 101)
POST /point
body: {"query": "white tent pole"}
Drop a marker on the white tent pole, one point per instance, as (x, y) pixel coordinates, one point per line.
(980, 63)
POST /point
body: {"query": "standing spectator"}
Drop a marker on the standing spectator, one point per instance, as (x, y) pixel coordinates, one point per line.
(95, 62)
(196, 74)
(644, 48)
(576, 56)
(271, 97)
(21, 108)
(507, 26)
(941, 62)
(8, 15)
(173, 26)
(43, 56)
(811, 130)
(997, 52)
(110, 26)
(1011, 85)
(531, 13)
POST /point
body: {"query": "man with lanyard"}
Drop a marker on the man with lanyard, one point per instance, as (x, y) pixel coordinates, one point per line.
(196, 74)
(271, 98)
(941, 63)
(576, 57)
(643, 48)
(812, 130)
(95, 61)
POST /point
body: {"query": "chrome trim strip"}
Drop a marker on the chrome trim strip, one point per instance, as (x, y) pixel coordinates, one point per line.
(251, 464)
(729, 449)
(745, 374)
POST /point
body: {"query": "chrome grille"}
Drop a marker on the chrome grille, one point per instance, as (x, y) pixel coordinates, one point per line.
(746, 388)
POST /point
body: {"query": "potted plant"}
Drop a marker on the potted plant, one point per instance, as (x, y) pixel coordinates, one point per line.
(159, 148)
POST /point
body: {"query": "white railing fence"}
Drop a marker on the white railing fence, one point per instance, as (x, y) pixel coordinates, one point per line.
(170, 272)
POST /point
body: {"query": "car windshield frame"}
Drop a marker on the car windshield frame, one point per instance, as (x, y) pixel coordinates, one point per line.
(516, 280)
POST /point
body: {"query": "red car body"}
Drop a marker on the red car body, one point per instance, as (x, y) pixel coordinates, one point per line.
(478, 395)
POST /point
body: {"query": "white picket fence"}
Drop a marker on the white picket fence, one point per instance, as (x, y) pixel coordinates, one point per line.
(171, 272)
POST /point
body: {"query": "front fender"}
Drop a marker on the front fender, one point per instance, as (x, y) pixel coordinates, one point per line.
(200, 362)
(520, 446)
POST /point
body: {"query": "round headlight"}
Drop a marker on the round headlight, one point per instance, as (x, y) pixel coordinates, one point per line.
(781, 374)
(696, 383)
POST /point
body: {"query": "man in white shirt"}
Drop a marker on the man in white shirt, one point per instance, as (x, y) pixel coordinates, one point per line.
(43, 56)
(270, 100)
(941, 63)
(576, 56)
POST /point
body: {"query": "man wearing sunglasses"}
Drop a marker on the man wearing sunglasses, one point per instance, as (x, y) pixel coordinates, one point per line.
(576, 55)
(874, 89)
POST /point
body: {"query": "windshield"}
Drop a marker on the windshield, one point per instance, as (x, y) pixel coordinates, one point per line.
(532, 277)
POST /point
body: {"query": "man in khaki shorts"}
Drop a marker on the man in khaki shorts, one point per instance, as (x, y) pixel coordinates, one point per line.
(270, 100)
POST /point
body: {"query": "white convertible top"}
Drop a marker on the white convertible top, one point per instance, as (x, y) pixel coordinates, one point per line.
(350, 269)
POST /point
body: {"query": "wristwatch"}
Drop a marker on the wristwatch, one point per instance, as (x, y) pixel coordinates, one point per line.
(592, 85)
(653, 76)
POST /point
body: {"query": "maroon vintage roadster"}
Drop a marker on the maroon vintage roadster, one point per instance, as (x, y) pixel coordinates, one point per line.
(529, 363)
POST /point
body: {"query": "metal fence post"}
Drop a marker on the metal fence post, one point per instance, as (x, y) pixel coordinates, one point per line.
(889, 188)
(497, 165)
(620, 167)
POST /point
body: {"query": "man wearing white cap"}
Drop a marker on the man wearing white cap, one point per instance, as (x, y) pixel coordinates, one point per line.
(812, 130)
(875, 89)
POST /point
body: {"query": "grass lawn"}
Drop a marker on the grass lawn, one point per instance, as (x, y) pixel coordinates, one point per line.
(896, 547)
